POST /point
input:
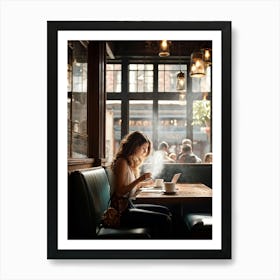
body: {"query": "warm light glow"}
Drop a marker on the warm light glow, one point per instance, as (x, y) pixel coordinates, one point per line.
(164, 45)
(205, 94)
(164, 49)
(193, 68)
(197, 65)
(182, 97)
(207, 54)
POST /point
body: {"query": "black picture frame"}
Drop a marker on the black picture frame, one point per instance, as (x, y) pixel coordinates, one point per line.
(53, 251)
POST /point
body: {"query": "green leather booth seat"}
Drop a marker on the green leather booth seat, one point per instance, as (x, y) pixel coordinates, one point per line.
(88, 198)
(199, 225)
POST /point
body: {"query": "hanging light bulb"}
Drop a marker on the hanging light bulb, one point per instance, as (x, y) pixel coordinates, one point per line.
(164, 49)
(207, 57)
(181, 81)
(197, 69)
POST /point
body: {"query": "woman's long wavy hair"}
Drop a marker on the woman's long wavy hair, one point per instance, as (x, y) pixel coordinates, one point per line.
(127, 149)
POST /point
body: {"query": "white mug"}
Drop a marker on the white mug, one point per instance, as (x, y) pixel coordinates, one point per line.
(169, 187)
(159, 182)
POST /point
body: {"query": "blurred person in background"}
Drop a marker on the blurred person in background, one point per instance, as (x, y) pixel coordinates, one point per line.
(187, 155)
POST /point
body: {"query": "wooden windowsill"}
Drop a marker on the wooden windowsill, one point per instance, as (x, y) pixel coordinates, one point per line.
(79, 163)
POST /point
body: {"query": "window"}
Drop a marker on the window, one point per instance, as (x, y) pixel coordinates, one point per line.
(141, 116)
(201, 126)
(141, 77)
(202, 84)
(114, 78)
(167, 76)
(172, 123)
(158, 109)
(77, 100)
(113, 127)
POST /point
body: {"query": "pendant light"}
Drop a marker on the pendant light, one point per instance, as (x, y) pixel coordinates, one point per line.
(207, 56)
(181, 80)
(164, 49)
(198, 69)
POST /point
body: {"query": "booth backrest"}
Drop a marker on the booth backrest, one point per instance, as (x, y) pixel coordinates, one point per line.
(191, 172)
(88, 197)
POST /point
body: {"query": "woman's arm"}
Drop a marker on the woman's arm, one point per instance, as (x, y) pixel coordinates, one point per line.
(122, 185)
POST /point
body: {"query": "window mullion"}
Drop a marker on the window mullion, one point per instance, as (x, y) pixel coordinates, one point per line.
(155, 106)
(125, 99)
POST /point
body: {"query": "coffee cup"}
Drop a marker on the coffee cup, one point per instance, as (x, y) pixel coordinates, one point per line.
(169, 187)
(159, 182)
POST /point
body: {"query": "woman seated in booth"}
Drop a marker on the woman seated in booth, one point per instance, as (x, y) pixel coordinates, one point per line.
(133, 150)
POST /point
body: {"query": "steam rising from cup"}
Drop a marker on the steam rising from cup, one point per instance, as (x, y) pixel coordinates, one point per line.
(155, 164)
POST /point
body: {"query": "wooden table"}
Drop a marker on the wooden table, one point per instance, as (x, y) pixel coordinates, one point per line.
(188, 198)
(184, 193)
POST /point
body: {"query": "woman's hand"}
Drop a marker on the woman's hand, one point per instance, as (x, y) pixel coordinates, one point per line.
(146, 179)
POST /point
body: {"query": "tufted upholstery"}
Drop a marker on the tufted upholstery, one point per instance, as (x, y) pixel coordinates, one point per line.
(88, 198)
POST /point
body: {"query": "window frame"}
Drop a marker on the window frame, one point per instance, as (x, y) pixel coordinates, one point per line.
(125, 96)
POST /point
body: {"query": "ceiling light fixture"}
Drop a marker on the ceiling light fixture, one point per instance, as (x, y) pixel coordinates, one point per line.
(164, 48)
(198, 69)
(181, 81)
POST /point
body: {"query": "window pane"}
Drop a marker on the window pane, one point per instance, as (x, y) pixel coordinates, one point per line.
(167, 76)
(141, 116)
(172, 123)
(77, 101)
(113, 127)
(149, 66)
(141, 77)
(79, 77)
(113, 78)
(201, 127)
(132, 66)
(161, 81)
(202, 84)
(78, 125)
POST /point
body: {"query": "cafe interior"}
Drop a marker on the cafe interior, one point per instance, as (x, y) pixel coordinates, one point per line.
(160, 88)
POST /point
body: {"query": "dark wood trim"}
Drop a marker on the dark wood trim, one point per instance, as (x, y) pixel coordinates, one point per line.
(96, 101)
(125, 100)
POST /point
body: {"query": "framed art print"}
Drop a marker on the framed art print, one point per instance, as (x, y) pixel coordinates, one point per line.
(170, 81)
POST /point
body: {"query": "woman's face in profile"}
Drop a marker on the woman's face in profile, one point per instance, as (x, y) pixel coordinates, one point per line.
(142, 151)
